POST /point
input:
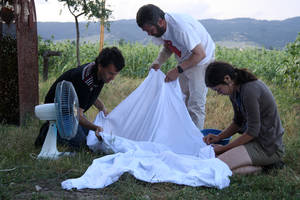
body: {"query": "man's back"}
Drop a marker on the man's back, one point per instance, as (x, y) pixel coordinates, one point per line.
(85, 83)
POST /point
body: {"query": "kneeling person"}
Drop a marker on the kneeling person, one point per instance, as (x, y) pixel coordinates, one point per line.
(88, 81)
(255, 116)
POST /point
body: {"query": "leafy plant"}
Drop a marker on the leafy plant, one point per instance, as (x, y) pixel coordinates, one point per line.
(88, 8)
(291, 64)
(280, 67)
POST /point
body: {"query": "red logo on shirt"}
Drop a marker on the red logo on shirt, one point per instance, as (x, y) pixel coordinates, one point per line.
(168, 44)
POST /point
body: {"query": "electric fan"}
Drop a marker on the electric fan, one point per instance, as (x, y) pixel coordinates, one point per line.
(63, 117)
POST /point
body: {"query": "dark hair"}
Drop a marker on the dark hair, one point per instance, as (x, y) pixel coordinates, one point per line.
(109, 56)
(216, 71)
(149, 14)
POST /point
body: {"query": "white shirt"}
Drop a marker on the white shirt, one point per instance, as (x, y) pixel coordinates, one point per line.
(185, 33)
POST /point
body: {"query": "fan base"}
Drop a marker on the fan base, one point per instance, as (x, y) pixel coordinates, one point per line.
(49, 149)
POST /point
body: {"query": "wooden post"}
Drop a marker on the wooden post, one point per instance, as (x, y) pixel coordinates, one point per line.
(46, 56)
(102, 29)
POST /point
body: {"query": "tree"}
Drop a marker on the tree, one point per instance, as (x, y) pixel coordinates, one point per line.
(88, 8)
(102, 23)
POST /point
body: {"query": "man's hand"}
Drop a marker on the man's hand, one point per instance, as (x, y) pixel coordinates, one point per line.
(172, 75)
(98, 129)
(155, 66)
(100, 106)
(105, 111)
(211, 138)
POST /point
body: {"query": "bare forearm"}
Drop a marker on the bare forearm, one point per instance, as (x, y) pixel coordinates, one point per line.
(86, 123)
(89, 125)
(243, 139)
(192, 61)
(163, 56)
(99, 105)
(229, 131)
(197, 55)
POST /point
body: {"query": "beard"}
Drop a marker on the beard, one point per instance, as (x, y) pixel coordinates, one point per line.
(160, 31)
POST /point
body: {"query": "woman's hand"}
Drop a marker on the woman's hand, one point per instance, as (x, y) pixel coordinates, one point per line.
(219, 149)
(211, 138)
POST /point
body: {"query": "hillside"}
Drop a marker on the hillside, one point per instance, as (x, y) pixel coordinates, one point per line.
(232, 32)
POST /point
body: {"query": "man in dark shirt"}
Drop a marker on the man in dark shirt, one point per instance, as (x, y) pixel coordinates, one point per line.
(88, 81)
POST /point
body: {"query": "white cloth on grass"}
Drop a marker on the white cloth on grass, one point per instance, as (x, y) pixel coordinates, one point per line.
(154, 139)
(154, 112)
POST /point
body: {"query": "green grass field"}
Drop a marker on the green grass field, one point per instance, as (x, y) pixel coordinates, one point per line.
(22, 176)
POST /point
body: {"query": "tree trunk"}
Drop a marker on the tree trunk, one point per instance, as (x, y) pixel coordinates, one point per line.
(101, 34)
(102, 27)
(77, 41)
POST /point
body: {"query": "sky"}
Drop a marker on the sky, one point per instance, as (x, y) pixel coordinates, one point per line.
(52, 10)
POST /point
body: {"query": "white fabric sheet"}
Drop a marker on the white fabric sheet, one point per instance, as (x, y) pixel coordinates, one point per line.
(154, 139)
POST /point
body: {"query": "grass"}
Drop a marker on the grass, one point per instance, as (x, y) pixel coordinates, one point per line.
(21, 174)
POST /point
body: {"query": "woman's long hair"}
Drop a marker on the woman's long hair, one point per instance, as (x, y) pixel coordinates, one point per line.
(216, 71)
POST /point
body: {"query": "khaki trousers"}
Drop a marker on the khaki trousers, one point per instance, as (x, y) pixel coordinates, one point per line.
(192, 83)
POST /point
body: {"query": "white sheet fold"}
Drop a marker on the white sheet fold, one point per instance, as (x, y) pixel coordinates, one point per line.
(154, 139)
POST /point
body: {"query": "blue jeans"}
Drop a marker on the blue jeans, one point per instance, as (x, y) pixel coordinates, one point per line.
(77, 142)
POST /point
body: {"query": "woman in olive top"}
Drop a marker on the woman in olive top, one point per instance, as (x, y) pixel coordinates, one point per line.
(255, 117)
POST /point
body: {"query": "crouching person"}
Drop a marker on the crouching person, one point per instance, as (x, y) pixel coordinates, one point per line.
(255, 116)
(88, 81)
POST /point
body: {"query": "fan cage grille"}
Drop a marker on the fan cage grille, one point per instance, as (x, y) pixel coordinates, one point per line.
(67, 105)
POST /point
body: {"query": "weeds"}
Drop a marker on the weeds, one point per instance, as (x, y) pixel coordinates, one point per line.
(24, 177)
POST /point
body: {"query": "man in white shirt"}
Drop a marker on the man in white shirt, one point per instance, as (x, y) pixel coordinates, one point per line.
(193, 48)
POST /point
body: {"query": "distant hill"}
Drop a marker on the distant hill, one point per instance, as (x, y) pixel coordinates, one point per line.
(232, 32)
